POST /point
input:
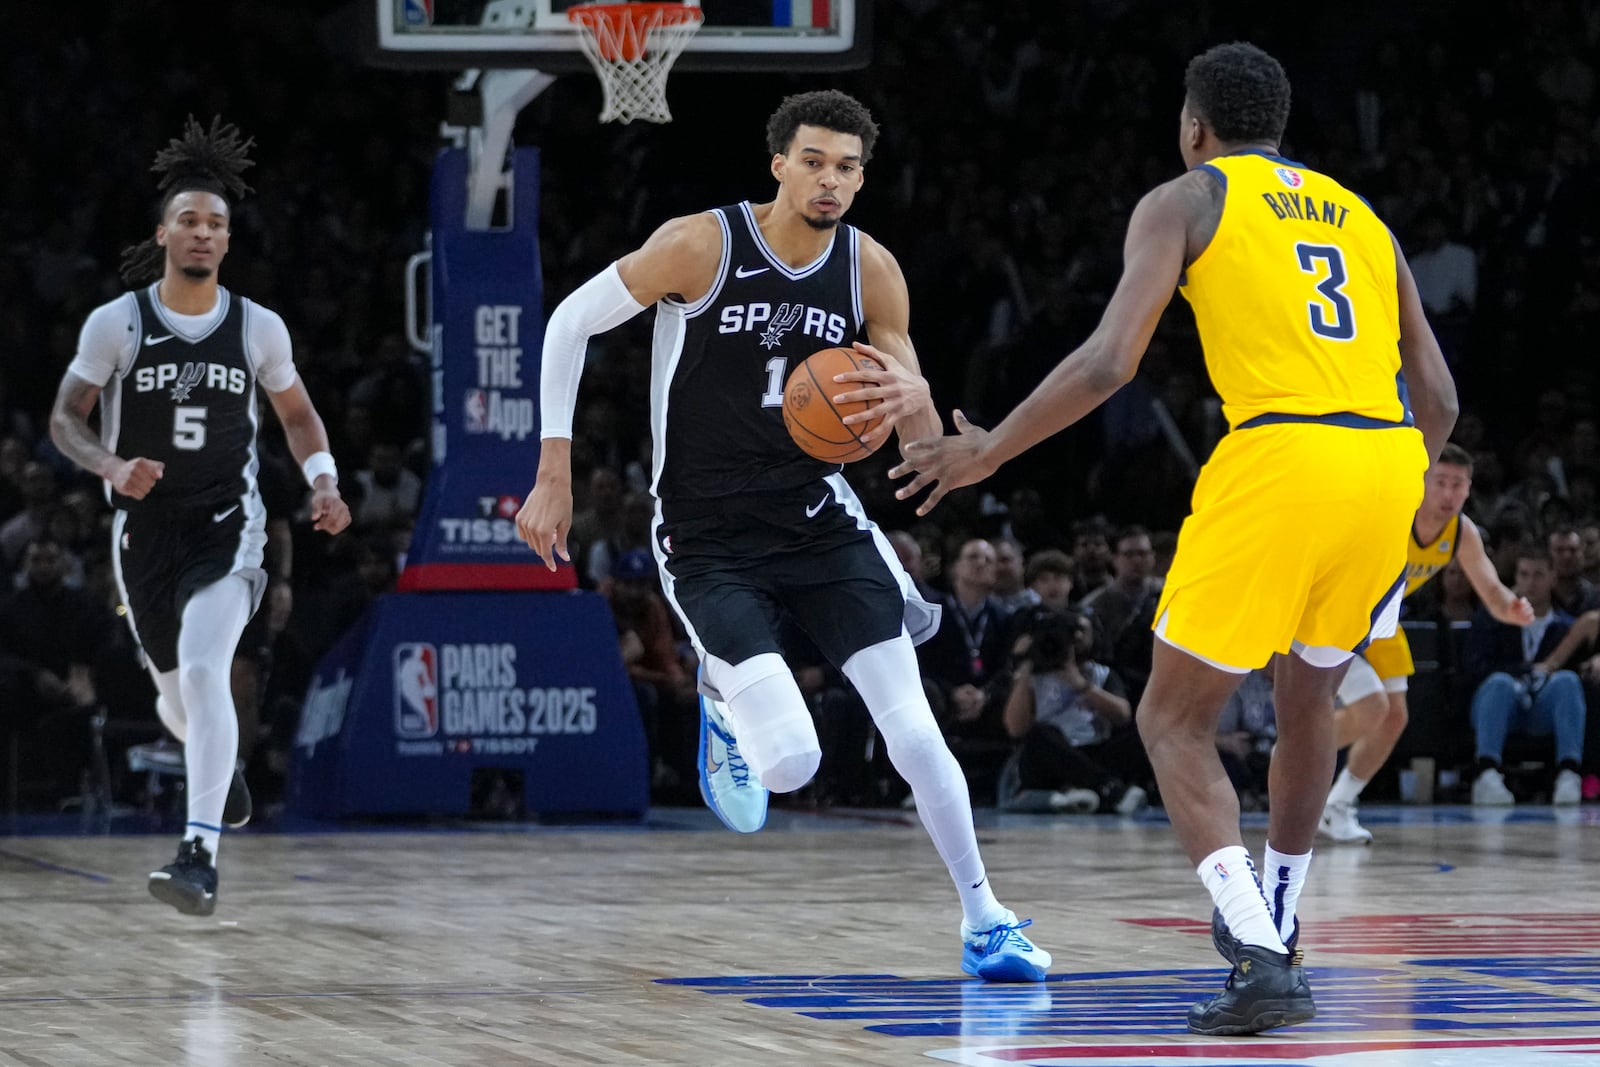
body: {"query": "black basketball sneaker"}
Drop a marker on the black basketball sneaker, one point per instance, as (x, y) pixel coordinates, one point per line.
(188, 883)
(1265, 989)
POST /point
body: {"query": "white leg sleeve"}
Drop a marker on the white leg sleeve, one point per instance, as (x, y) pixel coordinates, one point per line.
(212, 622)
(887, 677)
(770, 719)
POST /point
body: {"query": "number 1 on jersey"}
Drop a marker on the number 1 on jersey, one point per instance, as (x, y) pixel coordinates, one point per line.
(773, 397)
(1327, 262)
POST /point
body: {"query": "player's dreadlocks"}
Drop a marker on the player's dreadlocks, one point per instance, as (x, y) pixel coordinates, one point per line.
(209, 161)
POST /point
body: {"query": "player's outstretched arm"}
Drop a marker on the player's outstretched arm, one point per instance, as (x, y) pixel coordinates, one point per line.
(1503, 603)
(680, 259)
(1433, 391)
(1153, 258)
(308, 443)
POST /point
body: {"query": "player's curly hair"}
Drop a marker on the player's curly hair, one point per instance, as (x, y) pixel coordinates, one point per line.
(1241, 92)
(207, 161)
(827, 108)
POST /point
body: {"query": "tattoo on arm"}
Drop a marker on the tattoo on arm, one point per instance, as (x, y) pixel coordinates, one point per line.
(70, 428)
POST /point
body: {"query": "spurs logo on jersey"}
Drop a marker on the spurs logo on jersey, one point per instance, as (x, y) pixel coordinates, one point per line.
(184, 378)
(812, 322)
(720, 363)
(189, 403)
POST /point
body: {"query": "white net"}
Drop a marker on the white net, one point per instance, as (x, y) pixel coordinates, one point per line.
(632, 48)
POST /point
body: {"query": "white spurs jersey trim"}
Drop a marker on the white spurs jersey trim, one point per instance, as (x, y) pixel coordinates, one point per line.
(792, 273)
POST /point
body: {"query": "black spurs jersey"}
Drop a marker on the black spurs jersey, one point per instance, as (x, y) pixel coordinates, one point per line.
(191, 404)
(719, 364)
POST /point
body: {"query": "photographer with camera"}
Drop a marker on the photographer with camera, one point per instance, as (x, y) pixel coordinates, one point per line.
(1074, 723)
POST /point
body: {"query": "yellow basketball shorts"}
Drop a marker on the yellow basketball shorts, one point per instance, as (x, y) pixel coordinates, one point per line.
(1298, 533)
(1391, 656)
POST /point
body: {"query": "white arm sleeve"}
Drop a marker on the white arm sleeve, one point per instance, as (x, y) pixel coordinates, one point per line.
(267, 340)
(599, 304)
(106, 342)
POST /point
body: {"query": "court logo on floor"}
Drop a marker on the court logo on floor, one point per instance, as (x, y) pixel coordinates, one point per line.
(1427, 1010)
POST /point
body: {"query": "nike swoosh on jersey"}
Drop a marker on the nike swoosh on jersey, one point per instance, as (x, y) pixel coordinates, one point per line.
(151, 339)
(811, 513)
(219, 516)
(743, 272)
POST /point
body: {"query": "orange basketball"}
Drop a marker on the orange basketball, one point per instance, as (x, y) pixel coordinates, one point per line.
(814, 421)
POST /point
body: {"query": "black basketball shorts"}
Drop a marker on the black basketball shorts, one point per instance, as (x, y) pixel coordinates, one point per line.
(734, 570)
(164, 555)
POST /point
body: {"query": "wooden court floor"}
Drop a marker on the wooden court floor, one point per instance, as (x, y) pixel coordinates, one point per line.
(1455, 941)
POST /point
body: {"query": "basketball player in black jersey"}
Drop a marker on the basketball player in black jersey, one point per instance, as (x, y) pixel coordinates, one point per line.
(174, 366)
(750, 531)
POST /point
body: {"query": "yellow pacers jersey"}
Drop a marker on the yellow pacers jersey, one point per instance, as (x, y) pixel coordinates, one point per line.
(1425, 561)
(1295, 298)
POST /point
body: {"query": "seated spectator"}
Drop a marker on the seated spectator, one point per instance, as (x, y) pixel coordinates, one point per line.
(908, 550)
(389, 491)
(1049, 577)
(1133, 591)
(38, 487)
(1091, 555)
(1079, 749)
(1572, 594)
(969, 649)
(1165, 545)
(1514, 697)
(1245, 735)
(1010, 588)
(1590, 535)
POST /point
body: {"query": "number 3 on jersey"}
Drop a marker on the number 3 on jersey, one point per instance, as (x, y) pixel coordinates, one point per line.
(1327, 263)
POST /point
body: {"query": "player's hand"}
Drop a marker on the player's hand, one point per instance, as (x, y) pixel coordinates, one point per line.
(545, 519)
(329, 512)
(899, 390)
(134, 478)
(1518, 612)
(945, 463)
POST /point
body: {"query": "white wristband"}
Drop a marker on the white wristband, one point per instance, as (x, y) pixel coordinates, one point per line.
(318, 464)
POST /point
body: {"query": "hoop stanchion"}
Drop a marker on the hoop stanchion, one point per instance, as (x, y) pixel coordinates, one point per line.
(632, 48)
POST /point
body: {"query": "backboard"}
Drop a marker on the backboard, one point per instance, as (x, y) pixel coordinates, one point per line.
(536, 34)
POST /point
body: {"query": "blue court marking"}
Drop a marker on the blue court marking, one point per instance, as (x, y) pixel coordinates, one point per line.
(1153, 1002)
(56, 868)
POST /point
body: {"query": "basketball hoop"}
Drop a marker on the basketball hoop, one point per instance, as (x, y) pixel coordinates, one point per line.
(632, 48)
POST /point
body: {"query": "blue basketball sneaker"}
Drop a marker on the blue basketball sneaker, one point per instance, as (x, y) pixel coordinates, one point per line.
(1001, 953)
(730, 788)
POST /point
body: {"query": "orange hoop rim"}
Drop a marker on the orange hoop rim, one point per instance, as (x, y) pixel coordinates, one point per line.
(629, 23)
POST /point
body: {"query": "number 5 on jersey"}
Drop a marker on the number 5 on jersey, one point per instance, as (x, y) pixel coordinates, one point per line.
(1326, 262)
(189, 428)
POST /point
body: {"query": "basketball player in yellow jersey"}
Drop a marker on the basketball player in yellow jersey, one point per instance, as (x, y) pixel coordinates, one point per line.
(1307, 313)
(1374, 697)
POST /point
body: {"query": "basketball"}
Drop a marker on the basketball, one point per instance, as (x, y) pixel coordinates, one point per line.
(812, 418)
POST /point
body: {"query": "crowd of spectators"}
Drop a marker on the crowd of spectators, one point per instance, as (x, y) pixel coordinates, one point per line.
(1016, 138)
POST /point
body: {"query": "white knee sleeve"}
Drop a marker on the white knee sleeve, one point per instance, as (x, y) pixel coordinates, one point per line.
(890, 683)
(770, 719)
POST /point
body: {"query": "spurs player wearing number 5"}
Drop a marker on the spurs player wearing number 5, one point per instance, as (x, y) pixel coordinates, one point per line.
(1307, 313)
(174, 366)
(750, 530)
(1374, 692)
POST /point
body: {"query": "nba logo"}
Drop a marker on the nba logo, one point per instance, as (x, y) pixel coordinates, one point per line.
(416, 690)
(476, 406)
(417, 12)
(1291, 178)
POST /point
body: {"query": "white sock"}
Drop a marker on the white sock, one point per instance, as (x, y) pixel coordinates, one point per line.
(1346, 788)
(1285, 876)
(1231, 878)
